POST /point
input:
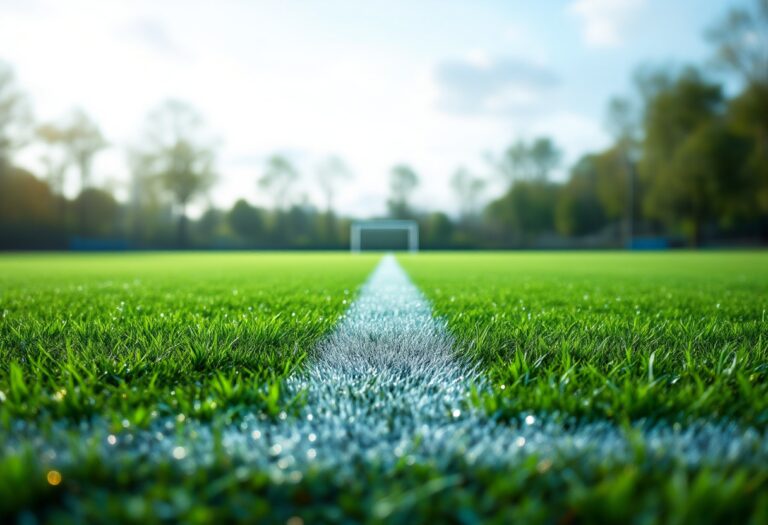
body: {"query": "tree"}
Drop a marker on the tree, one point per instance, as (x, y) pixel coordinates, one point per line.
(692, 164)
(468, 189)
(54, 156)
(524, 212)
(438, 230)
(180, 154)
(741, 41)
(209, 226)
(617, 184)
(748, 117)
(278, 178)
(98, 210)
(402, 181)
(741, 46)
(544, 157)
(27, 212)
(515, 163)
(83, 140)
(524, 162)
(145, 195)
(579, 211)
(332, 172)
(15, 116)
(246, 221)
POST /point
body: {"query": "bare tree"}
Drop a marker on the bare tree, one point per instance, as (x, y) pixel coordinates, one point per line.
(402, 181)
(15, 115)
(54, 156)
(83, 140)
(469, 190)
(179, 152)
(278, 178)
(332, 172)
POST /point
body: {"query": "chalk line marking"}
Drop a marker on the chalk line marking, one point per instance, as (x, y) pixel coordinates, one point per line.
(385, 388)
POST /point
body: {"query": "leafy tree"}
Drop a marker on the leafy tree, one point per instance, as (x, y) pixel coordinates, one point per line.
(525, 211)
(437, 230)
(28, 216)
(246, 221)
(209, 226)
(544, 157)
(525, 162)
(748, 117)
(402, 181)
(579, 210)
(515, 163)
(180, 154)
(693, 163)
(741, 41)
(98, 210)
(25, 201)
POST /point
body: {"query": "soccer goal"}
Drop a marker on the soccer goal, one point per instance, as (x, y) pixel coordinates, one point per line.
(384, 234)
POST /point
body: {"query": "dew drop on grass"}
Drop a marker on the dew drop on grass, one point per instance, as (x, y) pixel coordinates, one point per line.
(112, 439)
(53, 477)
(530, 420)
(456, 412)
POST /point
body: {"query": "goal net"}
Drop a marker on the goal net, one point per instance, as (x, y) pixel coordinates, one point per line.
(387, 235)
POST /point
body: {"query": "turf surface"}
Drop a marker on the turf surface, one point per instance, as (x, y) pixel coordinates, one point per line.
(126, 336)
(676, 338)
(618, 336)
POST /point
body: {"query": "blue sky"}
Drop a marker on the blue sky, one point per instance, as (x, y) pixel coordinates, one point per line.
(434, 83)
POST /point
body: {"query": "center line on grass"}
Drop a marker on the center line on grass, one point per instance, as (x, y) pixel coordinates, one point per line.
(386, 389)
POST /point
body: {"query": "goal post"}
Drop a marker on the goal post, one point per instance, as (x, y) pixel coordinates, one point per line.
(358, 227)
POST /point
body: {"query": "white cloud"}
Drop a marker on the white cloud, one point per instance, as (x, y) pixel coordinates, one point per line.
(502, 86)
(603, 21)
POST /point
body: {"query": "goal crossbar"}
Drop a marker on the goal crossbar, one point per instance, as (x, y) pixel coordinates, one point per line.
(357, 228)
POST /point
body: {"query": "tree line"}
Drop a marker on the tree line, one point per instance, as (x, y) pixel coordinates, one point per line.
(688, 164)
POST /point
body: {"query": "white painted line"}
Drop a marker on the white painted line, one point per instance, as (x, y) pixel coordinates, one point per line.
(385, 388)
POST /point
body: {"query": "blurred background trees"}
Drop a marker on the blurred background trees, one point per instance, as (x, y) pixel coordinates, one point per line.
(687, 164)
(403, 180)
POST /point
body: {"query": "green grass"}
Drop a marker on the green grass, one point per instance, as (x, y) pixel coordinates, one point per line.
(129, 338)
(140, 336)
(674, 336)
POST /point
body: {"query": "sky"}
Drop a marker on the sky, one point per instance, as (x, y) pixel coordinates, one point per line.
(436, 84)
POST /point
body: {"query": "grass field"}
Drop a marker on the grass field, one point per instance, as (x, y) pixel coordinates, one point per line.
(96, 348)
(620, 336)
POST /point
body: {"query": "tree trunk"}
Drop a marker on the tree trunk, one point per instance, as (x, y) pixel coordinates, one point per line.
(181, 234)
(696, 233)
